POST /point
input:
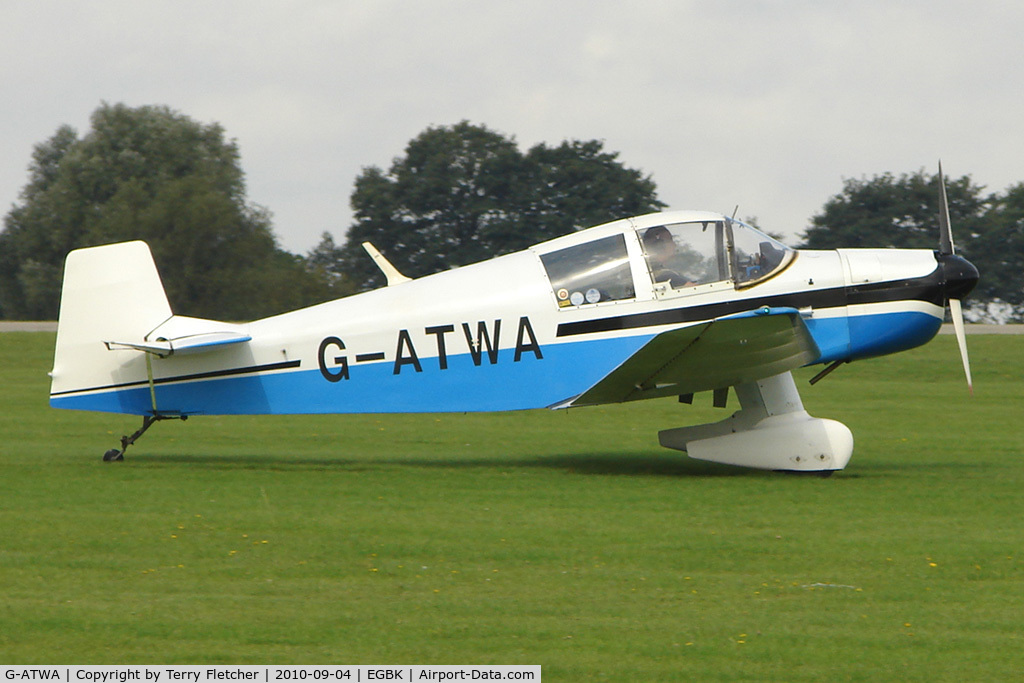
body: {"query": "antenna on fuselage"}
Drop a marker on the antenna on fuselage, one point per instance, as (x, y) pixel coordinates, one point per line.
(390, 272)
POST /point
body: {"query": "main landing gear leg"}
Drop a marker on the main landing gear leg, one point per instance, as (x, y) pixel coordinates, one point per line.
(115, 455)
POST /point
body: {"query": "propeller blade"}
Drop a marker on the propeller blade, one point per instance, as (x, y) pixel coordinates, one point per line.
(956, 312)
(945, 231)
(949, 262)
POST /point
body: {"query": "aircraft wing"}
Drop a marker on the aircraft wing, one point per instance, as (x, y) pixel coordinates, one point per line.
(712, 355)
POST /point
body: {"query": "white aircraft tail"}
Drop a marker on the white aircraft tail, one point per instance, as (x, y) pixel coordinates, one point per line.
(109, 293)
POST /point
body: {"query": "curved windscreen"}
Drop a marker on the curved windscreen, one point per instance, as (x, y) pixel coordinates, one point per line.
(756, 256)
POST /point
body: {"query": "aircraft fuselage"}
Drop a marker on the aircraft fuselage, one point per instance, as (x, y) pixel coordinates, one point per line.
(533, 329)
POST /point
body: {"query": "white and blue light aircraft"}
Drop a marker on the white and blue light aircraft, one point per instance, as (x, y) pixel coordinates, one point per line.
(667, 304)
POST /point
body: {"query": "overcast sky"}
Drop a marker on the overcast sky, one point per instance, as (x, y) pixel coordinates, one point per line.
(768, 105)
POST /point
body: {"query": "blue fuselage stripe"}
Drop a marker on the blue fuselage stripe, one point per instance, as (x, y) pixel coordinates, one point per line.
(865, 336)
(564, 371)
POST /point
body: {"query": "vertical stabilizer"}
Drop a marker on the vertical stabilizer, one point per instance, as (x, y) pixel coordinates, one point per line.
(109, 292)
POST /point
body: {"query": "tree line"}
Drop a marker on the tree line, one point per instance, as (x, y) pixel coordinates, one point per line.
(153, 174)
(459, 194)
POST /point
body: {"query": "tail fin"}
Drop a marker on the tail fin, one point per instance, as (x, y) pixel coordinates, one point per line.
(109, 292)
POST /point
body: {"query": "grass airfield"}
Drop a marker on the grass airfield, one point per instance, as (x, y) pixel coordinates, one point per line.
(567, 539)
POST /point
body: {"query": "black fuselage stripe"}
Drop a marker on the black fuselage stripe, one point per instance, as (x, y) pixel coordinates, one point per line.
(284, 365)
(927, 289)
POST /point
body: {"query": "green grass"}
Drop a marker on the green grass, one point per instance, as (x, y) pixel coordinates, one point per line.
(565, 539)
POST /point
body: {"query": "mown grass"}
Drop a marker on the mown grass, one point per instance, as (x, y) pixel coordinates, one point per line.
(568, 539)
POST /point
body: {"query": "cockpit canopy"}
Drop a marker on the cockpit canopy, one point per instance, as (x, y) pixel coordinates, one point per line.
(687, 254)
(678, 257)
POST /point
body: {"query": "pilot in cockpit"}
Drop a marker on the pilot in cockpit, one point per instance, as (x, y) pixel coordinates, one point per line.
(662, 250)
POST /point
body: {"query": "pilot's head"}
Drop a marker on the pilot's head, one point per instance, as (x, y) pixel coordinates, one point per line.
(659, 244)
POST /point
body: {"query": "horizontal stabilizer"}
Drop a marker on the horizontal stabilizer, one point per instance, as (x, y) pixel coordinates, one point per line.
(181, 334)
(188, 344)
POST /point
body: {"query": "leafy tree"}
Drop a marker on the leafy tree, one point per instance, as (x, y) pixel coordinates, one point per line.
(577, 185)
(886, 211)
(148, 173)
(996, 247)
(322, 262)
(465, 193)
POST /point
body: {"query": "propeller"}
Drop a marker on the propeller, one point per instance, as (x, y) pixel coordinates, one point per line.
(960, 277)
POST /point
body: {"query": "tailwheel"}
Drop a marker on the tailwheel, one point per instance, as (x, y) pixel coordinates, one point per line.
(117, 455)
